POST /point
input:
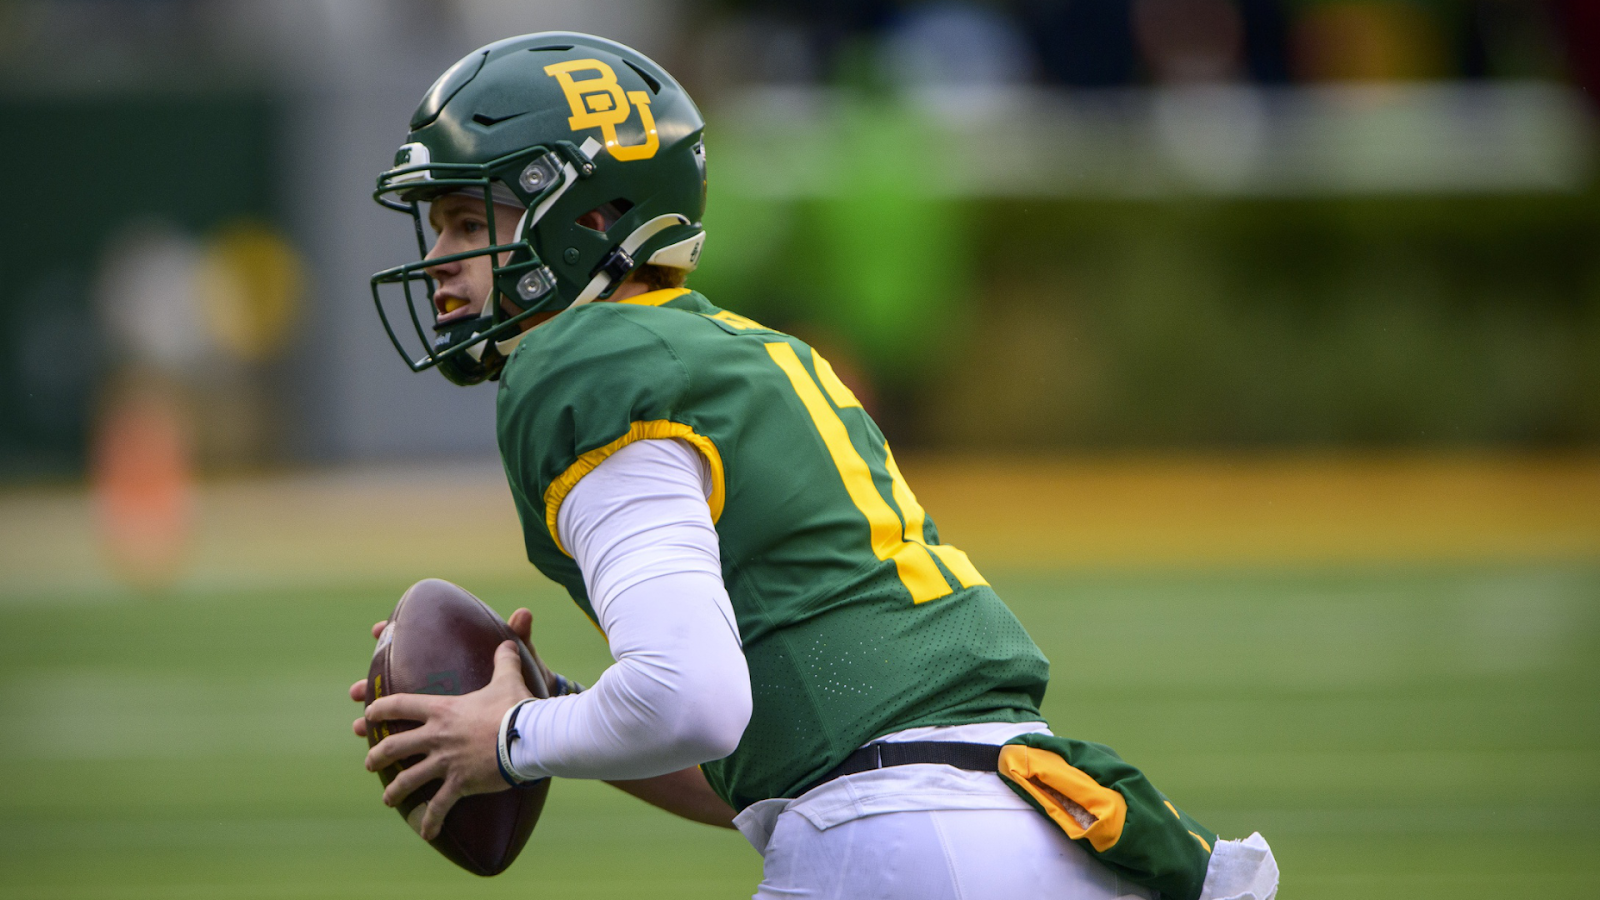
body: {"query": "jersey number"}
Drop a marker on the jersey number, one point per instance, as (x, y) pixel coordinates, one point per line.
(892, 537)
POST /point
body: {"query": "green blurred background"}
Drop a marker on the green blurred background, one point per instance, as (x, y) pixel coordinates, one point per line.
(1394, 733)
(1251, 348)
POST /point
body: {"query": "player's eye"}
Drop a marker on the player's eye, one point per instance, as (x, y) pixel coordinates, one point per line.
(471, 226)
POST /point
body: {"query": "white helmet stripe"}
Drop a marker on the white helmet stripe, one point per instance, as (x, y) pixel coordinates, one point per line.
(568, 176)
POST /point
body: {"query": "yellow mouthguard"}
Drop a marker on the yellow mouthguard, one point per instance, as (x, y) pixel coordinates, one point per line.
(451, 304)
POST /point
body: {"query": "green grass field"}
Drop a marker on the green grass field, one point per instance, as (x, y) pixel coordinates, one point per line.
(1397, 732)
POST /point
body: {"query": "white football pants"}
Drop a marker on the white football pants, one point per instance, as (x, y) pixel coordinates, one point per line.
(948, 854)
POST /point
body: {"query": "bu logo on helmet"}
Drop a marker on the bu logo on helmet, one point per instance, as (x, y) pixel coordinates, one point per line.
(599, 102)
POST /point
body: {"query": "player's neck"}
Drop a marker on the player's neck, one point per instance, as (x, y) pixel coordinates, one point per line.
(629, 289)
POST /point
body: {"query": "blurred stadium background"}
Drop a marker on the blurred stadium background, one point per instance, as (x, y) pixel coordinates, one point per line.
(1251, 347)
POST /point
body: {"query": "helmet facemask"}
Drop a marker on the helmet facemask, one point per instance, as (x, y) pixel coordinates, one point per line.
(472, 350)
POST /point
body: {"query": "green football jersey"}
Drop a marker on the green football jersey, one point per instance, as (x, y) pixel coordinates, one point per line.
(856, 621)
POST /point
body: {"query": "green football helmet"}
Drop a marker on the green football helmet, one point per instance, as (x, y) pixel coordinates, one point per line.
(561, 124)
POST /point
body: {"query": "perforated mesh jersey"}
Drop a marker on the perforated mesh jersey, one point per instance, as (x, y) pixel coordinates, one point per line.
(856, 621)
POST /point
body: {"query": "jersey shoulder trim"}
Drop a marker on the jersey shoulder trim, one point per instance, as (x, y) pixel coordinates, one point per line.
(656, 298)
(638, 431)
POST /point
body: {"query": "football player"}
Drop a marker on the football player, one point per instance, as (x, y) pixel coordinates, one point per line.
(798, 655)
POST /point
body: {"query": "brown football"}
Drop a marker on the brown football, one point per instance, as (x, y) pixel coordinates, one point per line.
(441, 640)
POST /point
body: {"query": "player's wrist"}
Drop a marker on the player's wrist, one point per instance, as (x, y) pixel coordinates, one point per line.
(507, 738)
(561, 685)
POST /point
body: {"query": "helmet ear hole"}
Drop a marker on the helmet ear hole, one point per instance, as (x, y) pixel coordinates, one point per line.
(602, 217)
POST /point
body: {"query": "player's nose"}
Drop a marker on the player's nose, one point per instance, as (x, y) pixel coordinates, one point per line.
(439, 271)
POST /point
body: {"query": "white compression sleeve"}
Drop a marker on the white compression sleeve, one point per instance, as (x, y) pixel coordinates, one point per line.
(679, 694)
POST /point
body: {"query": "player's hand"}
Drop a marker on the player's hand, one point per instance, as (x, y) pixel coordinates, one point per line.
(521, 624)
(358, 691)
(456, 739)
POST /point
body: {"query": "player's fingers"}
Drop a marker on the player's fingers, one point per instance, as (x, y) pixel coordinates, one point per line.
(439, 807)
(360, 727)
(396, 747)
(358, 691)
(508, 667)
(378, 627)
(410, 779)
(521, 623)
(417, 707)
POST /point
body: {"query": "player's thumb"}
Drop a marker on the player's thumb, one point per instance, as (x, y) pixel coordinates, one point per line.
(508, 668)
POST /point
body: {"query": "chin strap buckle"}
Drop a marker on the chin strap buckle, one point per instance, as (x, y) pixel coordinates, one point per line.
(607, 276)
(617, 264)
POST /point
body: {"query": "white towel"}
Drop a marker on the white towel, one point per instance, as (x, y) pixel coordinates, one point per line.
(1241, 870)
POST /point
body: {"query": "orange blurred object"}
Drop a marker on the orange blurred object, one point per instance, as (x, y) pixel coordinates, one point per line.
(1367, 41)
(143, 483)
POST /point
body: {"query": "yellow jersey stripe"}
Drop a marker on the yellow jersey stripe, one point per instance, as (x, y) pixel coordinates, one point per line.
(656, 298)
(917, 569)
(954, 559)
(842, 396)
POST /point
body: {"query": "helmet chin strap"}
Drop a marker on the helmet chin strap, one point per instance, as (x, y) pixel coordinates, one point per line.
(629, 246)
(602, 279)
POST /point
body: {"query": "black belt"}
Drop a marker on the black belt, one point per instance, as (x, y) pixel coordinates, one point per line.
(976, 757)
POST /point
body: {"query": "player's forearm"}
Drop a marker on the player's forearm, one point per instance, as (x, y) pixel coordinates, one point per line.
(678, 696)
(683, 793)
(640, 530)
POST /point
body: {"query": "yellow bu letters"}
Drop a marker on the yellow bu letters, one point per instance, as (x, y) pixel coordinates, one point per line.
(599, 102)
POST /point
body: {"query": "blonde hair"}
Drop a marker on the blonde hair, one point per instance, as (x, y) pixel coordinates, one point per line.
(659, 278)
